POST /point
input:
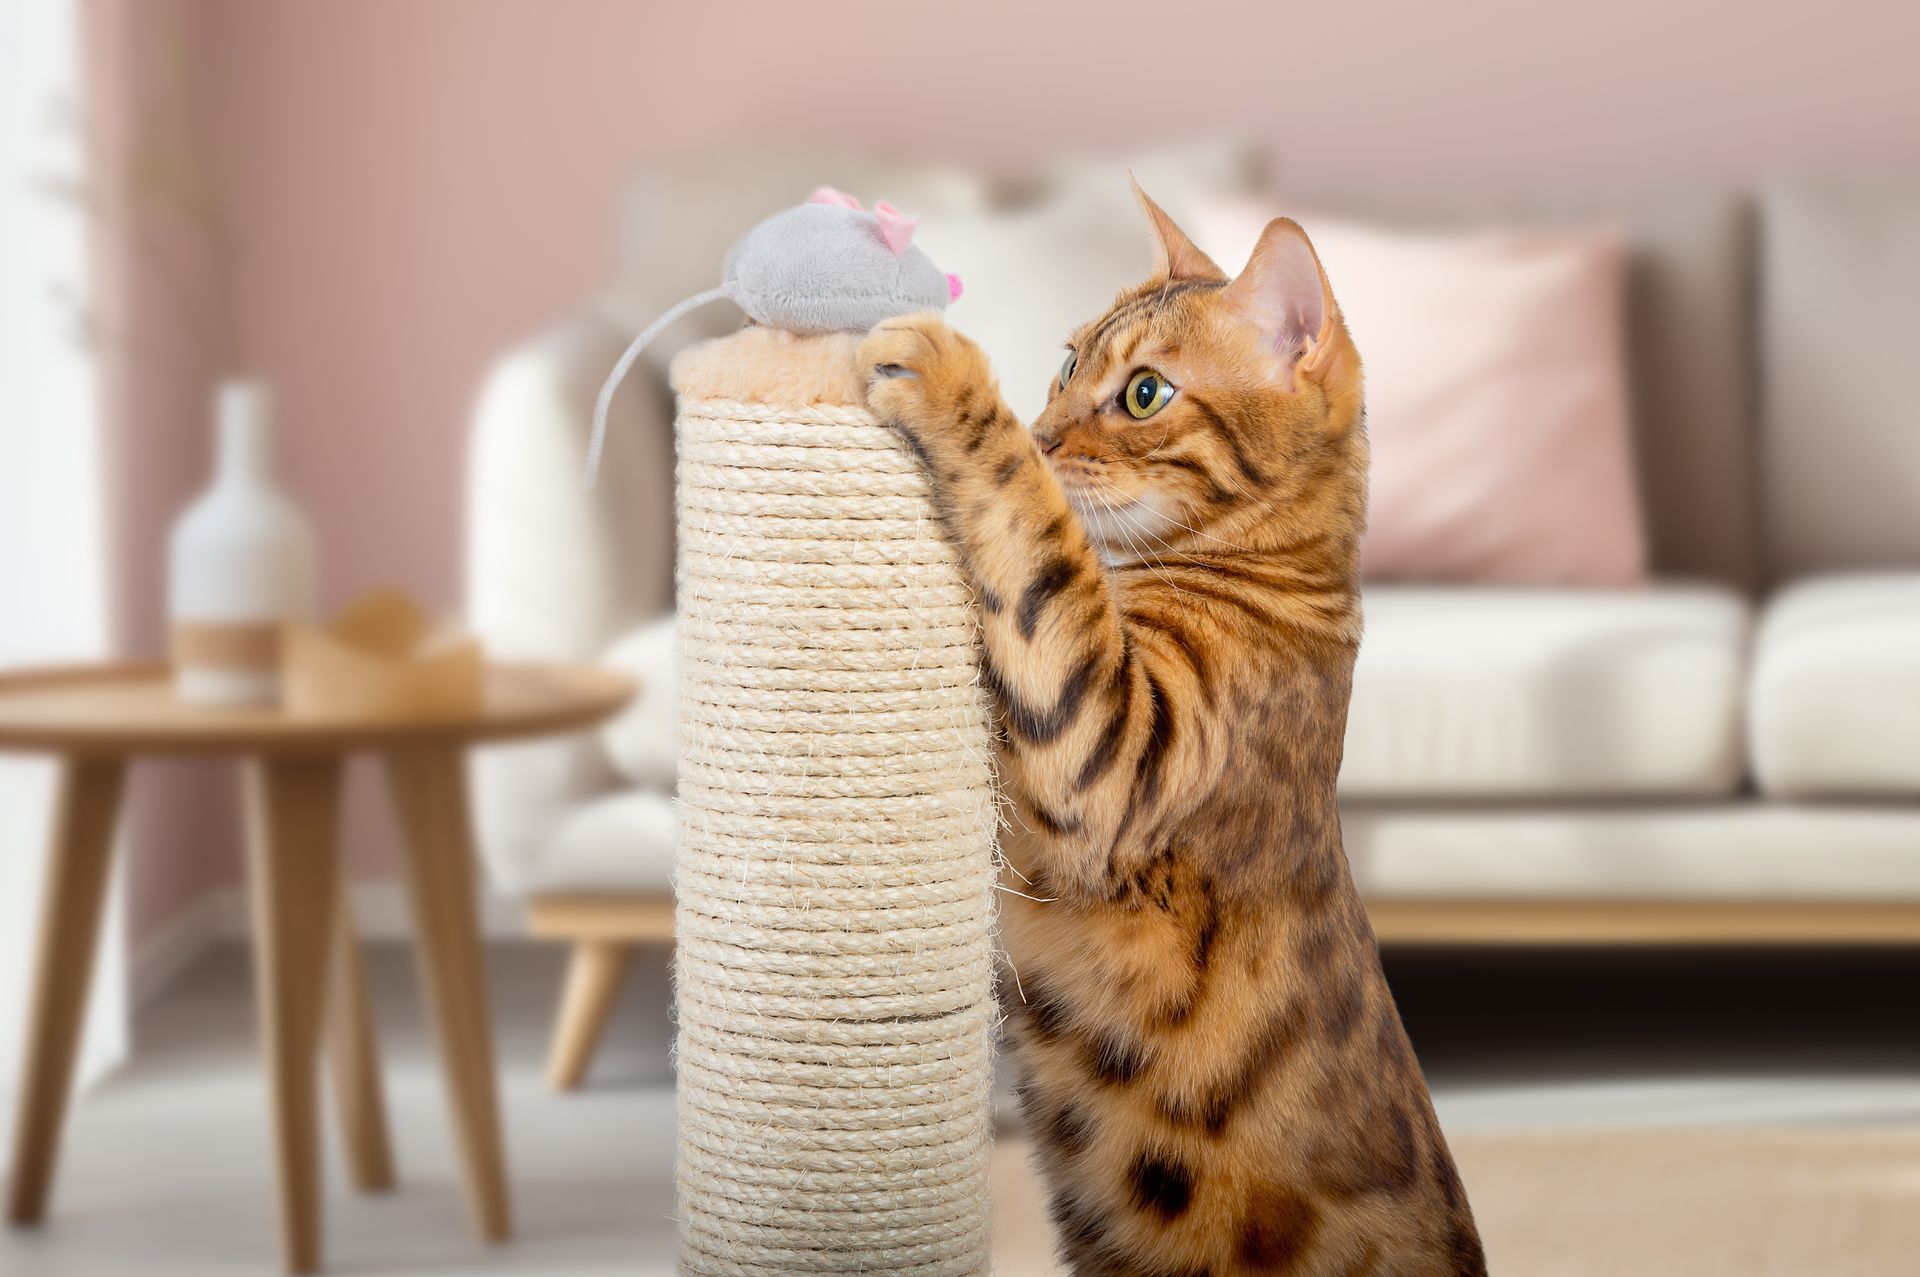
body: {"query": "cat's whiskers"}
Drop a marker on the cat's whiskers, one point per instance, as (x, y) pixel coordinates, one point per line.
(1163, 543)
(1146, 535)
(1187, 527)
(1126, 522)
(1159, 561)
(1124, 525)
(1113, 521)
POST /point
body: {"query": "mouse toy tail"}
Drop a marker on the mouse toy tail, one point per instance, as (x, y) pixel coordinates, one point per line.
(620, 370)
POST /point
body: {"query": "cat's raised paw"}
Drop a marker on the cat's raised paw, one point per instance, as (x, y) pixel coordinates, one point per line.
(903, 347)
(919, 372)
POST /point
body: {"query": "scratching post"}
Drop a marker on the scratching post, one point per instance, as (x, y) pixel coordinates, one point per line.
(835, 870)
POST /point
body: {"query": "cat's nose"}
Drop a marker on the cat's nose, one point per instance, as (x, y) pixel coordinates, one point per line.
(1048, 441)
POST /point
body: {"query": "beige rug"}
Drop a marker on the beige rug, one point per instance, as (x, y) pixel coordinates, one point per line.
(1787, 1202)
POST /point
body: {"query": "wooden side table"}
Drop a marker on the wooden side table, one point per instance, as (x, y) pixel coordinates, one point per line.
(310, 983)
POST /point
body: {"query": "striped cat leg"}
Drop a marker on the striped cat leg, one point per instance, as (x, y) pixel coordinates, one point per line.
(1092, 731)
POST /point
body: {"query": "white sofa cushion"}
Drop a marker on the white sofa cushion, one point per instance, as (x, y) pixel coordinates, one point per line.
(642, 741)
(1835, 700)
(1502, 693)
(1704, 851)
(554, 572)
(621, 842)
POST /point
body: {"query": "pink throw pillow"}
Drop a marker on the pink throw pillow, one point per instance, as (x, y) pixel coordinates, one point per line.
(1497, 399)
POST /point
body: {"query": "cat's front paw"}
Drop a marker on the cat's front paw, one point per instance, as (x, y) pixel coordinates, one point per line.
(923, 376)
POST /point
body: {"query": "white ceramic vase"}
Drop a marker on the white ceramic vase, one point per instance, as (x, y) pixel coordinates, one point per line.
(241, 564)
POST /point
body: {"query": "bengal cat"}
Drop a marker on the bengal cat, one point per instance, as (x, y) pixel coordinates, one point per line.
(1211, 1064)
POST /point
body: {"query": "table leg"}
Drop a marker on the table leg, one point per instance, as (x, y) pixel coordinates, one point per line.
(429, 789)
(78, 863)
(294, 812)
(353, 1048)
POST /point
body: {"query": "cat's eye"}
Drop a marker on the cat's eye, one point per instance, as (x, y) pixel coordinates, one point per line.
(1066, 368)
(1146, 394)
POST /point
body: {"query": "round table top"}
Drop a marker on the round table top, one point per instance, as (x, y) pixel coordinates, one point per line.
(131, 709)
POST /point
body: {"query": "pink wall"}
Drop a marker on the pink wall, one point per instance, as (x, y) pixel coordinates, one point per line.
(419, 184)
(155, 285)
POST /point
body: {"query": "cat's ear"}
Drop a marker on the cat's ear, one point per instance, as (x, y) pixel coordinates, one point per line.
(1174, 255)
(1284, 293)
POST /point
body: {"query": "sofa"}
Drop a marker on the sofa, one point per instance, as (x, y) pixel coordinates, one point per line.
(1728, 753)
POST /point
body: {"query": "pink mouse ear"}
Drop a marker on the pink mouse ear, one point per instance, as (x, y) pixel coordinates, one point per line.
(895, 227)
(827, 195)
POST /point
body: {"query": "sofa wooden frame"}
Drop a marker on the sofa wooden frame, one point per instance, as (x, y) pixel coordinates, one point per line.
(603, 932)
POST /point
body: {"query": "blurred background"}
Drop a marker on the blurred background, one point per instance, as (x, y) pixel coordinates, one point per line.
(1634, 769)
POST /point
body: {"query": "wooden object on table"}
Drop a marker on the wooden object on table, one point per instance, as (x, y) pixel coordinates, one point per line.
(603, 931)
(98, 718)
(382, 657)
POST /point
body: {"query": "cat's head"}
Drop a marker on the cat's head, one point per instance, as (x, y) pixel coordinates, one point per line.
(1200, 405)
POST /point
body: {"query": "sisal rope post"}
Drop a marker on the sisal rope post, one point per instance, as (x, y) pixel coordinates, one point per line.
(835, 867)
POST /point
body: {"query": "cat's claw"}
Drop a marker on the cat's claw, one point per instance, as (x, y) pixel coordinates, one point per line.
(917, 371)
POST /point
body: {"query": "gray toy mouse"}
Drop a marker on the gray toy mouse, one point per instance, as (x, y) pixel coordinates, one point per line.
(824, 266)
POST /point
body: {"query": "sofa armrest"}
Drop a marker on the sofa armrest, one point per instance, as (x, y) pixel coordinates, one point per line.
(556, 572)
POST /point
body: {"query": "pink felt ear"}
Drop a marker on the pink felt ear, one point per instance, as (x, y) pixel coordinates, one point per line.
(953, 287)
(827, 195)
(895, 227)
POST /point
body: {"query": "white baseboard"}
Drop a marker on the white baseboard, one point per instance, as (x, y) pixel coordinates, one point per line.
(379, 912)
(165, 955)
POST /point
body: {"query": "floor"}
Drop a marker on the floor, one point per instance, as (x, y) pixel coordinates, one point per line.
(165, 1167)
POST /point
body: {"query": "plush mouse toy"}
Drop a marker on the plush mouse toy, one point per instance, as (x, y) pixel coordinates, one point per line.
(827, 265)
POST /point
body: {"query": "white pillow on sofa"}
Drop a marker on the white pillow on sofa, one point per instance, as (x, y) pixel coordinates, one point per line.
(642, 741)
